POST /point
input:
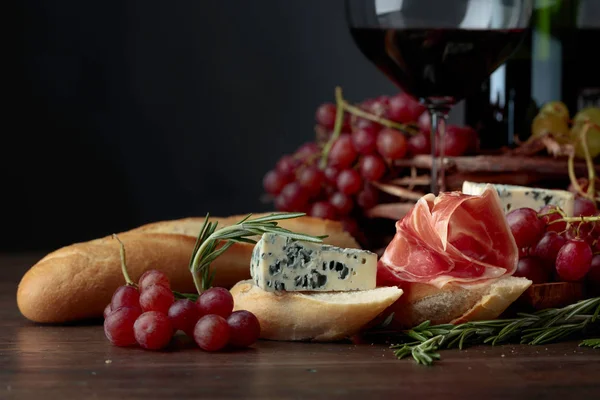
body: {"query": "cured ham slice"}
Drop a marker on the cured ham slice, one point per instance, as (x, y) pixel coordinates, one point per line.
(454, 237)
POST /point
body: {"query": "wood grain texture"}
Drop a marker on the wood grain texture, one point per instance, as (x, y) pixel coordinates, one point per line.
(73, 362)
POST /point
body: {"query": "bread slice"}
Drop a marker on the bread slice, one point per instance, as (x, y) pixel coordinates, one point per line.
(77, 281)
(312, 316)
(455, 304)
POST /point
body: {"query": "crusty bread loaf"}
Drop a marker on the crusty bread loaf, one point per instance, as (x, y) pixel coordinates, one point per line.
(455, 304)
(76, 282)
(312, 316)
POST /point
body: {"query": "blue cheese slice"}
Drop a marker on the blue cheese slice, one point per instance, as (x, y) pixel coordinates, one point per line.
(280, 263)
(513, 196)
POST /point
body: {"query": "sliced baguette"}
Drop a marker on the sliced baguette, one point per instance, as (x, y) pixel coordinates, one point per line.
(76, 282)
(312, 316)
(454, 304)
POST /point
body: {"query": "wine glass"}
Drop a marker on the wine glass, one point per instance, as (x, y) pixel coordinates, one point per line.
(438, 51)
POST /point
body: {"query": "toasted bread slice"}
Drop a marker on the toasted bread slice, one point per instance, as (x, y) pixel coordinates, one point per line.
(456, 304)
(312, 316)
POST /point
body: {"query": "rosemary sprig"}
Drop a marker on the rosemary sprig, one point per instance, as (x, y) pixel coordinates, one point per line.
(424, 341)
(211, 243)
(593, 343)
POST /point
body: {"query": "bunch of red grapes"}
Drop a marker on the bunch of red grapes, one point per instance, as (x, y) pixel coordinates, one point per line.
(552, 250)
(363, 153)
(149, 316)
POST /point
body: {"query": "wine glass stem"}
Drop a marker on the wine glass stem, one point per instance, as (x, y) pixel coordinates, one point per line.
(438, 128)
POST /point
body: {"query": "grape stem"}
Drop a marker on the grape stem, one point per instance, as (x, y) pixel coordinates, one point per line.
(375, 118)
(594, 218)
(343, 106)
(123, 262)
(590, 164)
(337, 128)
(572, 176)
(591, 191)
(555, 211)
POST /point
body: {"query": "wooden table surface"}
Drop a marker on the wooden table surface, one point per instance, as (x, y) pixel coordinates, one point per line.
(72, 362)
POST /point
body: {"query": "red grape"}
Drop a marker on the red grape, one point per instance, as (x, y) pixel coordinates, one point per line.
(118, 326)
(526, 227)
(368, 197)
(342, 203)
(365, 140)
(424, 122)
(294, 196)
(351, 226)
(593, 275)
(107, 310)
(404, 108)
(342, 153)
(383, 100)
(331, 174)
(419, 143)
(307, 150)
(596, 230)
(156, 297)
(346, 126)
(274, 181)
(325, 115)
(456, 140)
(552, 215)
(524, 252)
(362, 123)
(125, 296)
(574, 260)
(153, 277)
(378, 106)
(348, 181)
(324, 210)
(153, 330)
(184, 314)
(216, 300)
(548, 247)
(391, 144)
(372, 168)
(281, 204)
(584, 207)
(244, 328)
(327, 191)
(532, 269)
(311, 178)
(287, 165)
(211, 332)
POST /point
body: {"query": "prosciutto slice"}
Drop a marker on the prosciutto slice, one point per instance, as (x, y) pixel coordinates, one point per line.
(454, 237)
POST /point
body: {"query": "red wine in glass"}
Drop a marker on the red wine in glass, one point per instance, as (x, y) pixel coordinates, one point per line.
(438, 51)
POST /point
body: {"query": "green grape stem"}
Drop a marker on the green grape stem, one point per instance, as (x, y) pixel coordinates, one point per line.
(337, 128)
(128, 280)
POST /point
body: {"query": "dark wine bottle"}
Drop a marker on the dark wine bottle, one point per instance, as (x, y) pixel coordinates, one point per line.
(553, 63)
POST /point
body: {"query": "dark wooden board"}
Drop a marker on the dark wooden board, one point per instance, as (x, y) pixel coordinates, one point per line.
(73, 362)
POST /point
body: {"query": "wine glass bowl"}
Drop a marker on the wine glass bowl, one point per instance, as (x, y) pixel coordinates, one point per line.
(438, 51)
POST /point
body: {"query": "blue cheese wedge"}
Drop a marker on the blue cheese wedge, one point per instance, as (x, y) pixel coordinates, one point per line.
(513, 196)
(280, 263)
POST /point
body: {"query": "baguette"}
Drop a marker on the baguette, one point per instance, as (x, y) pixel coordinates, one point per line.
(312, 316)
(455, 304)
(76, 282)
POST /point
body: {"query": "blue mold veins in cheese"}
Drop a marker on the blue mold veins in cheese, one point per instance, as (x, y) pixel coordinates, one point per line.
(281, 263)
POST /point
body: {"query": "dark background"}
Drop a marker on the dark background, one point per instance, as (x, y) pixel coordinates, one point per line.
(126, 112)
